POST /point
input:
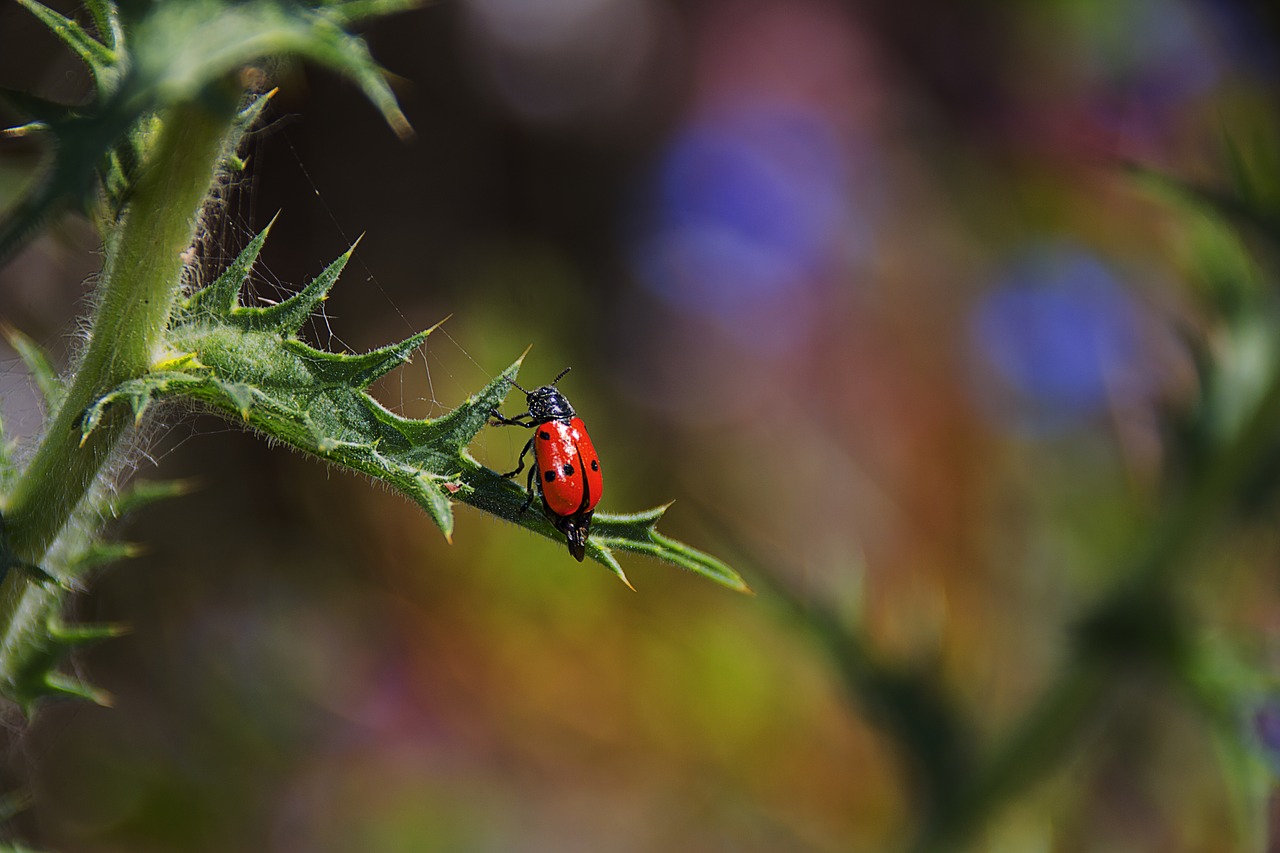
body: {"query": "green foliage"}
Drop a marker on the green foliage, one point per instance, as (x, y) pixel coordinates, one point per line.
(171, 53)
(143, 156)
(1224, 461)
(249, 364)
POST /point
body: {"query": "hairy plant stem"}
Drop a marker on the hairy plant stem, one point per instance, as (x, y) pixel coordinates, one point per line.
(141, 280)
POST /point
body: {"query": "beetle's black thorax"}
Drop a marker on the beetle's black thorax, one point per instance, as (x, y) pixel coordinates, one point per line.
(548, 404)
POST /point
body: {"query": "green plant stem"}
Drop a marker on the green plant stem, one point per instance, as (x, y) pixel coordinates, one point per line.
(141, 281)
(1068, 704)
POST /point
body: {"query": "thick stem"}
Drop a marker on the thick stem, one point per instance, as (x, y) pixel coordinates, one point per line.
(141, 281)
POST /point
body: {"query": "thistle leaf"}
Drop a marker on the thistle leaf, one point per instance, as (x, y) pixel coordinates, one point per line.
(101, 553)
(138, 393)
(106, 19)
(74, 636)
(351, 11)
(42, 372)
(142, 493)
(287, 317)
(222, 296)
(185, 46)
(357, 371)
(639, 534)
(176, 53)
(59, 685)
(248, 364)
(94, 54)
(35, 677)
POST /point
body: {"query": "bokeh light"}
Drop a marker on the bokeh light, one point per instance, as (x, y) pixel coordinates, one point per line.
(750, 213)
(558, 60)
(863, 288)
(1058, 340)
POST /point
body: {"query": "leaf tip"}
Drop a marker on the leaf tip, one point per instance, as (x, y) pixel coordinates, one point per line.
(56, 684)
(438, 324)
(400, 125)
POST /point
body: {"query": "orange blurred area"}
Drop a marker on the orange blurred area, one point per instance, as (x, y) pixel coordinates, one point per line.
(863, 288)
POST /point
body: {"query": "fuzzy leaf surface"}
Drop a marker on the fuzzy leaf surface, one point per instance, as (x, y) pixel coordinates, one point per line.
(248, 364)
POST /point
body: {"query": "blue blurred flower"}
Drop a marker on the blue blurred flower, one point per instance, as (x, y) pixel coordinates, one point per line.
(1061, 338)
(1266, 730)
(748, 207)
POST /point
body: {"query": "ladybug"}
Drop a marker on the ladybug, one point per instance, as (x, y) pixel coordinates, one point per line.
(566, 465)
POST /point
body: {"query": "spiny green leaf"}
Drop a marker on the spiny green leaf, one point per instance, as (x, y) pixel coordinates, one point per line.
(239, 394)
(248, 364)
(357, 371)
(458, 427)
(248, 117)
(142, 493)
(46, 378)
(138, 393)
(34, 677)
(351, 11)
(287, 317)
(177, 51)
(82, 138)
(106, 18)
(223, 295)
(638, 533)
(428, 491)
(76, 635)
(94, 54)
(349, 55)
(101, 553)
(59, 685)
(181, 47)
(81, 145)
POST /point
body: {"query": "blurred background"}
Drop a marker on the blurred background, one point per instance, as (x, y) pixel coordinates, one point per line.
(863, 287)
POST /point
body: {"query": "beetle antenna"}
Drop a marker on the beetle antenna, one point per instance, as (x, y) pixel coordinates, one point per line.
(518, 385)
(561, 376)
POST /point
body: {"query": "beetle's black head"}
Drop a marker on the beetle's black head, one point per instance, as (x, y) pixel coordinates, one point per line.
(548, 404)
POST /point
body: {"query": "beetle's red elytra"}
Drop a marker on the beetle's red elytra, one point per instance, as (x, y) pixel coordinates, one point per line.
(566, 467)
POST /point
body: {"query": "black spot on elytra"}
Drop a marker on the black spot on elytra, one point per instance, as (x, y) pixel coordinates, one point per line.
(544, 435)
(549, 476)
(595, 464)
(568, 470)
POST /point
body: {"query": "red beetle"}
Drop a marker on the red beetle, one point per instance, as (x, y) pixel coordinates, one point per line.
(566, 469)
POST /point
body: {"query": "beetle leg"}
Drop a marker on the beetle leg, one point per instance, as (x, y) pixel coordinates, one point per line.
(528, 445)
(500, 420)
(528, 501)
